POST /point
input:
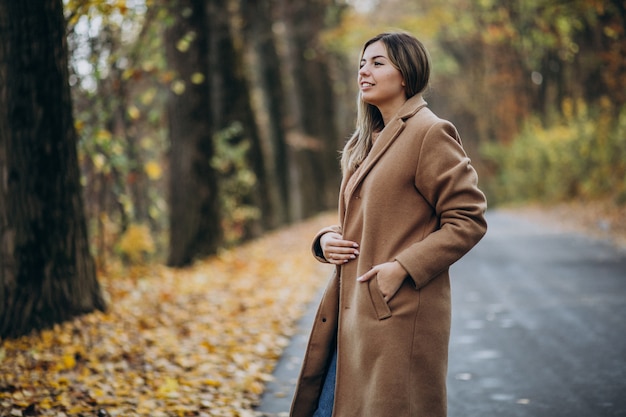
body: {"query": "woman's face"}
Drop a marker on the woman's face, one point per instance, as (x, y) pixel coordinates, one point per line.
(381, 83)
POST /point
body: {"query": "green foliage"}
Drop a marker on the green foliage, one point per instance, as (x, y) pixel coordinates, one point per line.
(583, 156)
(236, 182)
(119, 88)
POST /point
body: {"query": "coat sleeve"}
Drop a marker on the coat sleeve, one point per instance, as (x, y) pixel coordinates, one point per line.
(317, 248)
(447, 180)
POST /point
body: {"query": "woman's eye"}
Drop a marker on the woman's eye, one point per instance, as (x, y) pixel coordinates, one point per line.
(377, 64)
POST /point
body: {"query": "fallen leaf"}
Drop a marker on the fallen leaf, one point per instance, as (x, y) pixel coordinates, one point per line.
(198, 341)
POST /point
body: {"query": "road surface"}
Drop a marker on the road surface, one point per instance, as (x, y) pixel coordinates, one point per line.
(538, 327)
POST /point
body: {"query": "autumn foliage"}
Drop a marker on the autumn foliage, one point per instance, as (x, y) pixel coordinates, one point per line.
(189, 342)
(502, 72)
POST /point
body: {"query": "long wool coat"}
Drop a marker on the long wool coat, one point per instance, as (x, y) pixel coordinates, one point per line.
(416, 201)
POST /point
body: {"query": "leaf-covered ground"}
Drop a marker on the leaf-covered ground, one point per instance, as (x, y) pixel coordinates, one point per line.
(200, 341)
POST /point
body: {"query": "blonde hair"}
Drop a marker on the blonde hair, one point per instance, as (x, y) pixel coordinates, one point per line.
(409, 56)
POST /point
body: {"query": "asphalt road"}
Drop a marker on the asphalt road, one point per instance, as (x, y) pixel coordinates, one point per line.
(538, 327)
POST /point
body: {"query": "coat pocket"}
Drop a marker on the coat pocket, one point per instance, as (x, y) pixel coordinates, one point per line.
(378, 300)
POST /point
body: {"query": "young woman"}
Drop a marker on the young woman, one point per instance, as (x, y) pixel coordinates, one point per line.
(409, 207)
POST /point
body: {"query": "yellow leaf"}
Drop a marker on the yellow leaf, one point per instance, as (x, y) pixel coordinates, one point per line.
(128, 73)
(178, 87)
(256, 387)
(67, 362)
(153, 170)
(99, 161)
(184, 43)
(98, 393)
(134, 113)
(137, 242)
(79, 125)
(45, 403)
(147, 142)
(103, 134)
(121, 6)
(169, 386)
(148, 97)
(212, 383)
(197, 78)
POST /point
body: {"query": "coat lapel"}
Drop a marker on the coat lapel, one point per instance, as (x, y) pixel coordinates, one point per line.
(385, 139)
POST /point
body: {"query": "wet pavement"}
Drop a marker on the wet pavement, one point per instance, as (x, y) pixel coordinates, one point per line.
(538, 328)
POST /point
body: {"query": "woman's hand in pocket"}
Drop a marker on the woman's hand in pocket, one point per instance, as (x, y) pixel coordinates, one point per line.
(390, 276)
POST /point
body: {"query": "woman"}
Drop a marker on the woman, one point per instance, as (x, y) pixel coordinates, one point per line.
(409, 207)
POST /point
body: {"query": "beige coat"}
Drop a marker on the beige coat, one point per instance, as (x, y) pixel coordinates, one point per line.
(415, 200)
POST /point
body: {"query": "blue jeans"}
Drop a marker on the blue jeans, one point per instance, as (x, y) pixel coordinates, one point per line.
(327, 398)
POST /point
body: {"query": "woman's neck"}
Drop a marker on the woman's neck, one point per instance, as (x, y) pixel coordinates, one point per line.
(389, 110)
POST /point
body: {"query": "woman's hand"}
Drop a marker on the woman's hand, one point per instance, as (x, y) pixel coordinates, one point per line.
(389, 275)
(336, 250)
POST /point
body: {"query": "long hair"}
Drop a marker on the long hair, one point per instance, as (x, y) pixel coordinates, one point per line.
(409, 56)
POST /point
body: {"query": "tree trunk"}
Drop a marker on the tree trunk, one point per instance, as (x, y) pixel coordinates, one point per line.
(231, 104)
(311, 134)
(47, 274)
(194, 205)
(265, 75)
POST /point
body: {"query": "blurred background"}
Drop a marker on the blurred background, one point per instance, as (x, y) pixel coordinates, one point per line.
(204, 123)
(139, 137)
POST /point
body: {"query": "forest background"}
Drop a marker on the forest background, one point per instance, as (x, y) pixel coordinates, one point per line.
(536, 88)
(138, 133)
(196, 125)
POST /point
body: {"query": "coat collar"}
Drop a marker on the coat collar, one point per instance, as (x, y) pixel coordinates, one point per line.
(384, 140)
